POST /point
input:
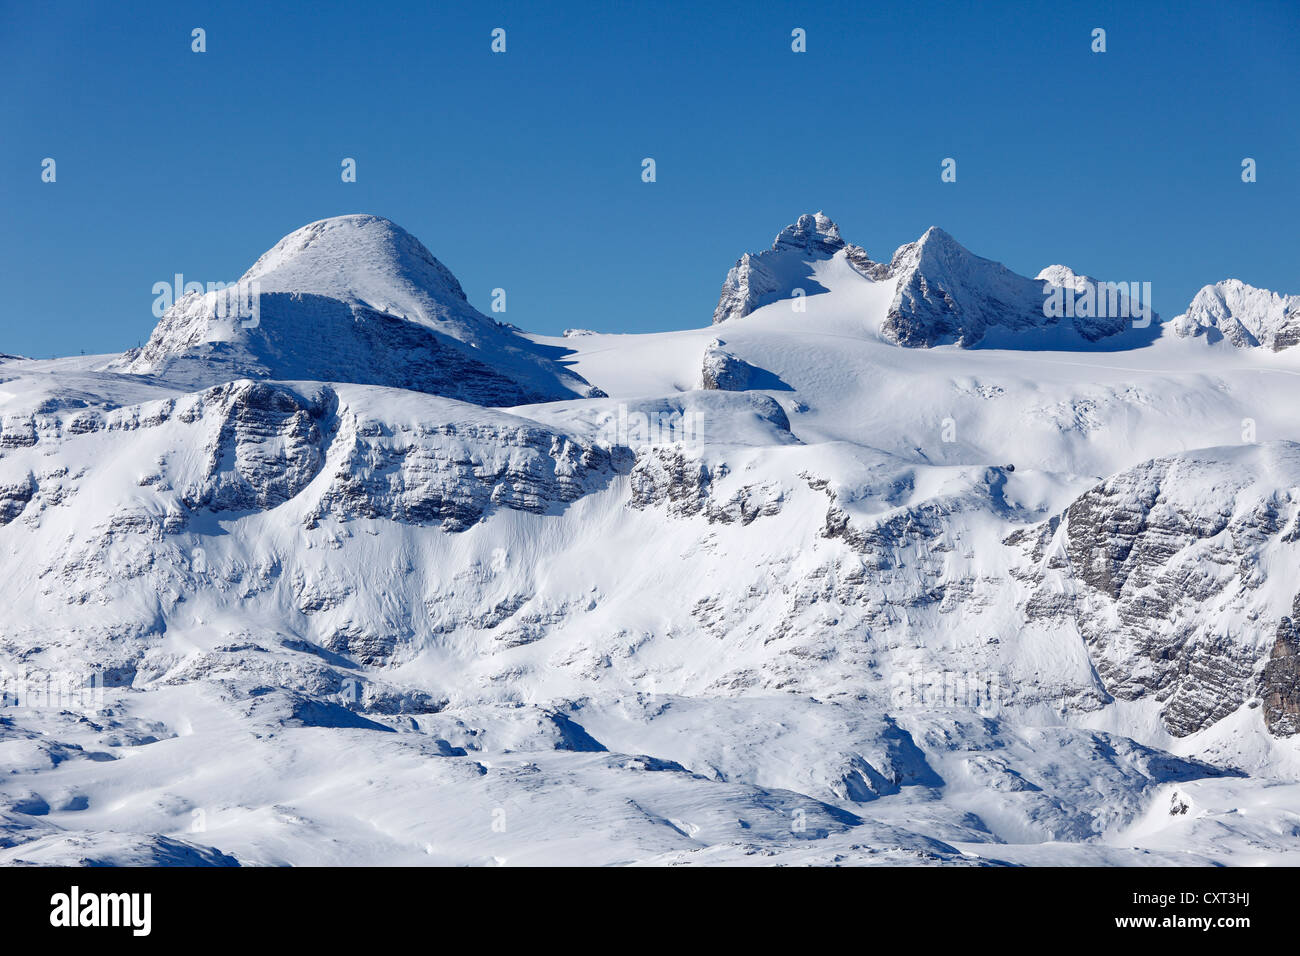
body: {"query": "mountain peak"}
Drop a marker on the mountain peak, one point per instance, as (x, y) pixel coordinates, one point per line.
(938, 235)
(811, 232)
(934, 245)
(1244, 315)
(361, 259)
(758, 279)
(1063, 276)
(948, 294)
(943, 293)
(357, 299)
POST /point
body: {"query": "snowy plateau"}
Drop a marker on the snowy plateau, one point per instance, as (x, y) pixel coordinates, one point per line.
(884, 565)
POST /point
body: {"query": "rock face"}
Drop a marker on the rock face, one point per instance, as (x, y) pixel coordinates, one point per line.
(1280, 682)
(350, 299)
(449, 474)
(747, 286)
(1245, 316)
(265, 444)
(254, 446)
(813, 235)
(1170, 595)
(14, 498)
(243, 493)
(724, 371)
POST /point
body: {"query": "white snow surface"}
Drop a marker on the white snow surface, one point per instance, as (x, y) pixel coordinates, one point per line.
(840, 617)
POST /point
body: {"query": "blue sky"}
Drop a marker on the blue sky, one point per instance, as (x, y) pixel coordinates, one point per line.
(523, 170)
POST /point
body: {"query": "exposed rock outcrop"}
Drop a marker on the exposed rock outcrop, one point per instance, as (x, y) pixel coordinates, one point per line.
(1280, 681)
(1170, 556)
(725, 372)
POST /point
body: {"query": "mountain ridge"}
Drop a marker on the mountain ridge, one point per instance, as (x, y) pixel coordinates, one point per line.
(944, 294)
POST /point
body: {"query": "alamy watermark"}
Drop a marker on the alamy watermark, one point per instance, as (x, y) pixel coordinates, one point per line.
(240, 300)
(638, 430)
(75, 909)
(978, 691)
(1100, 300)
(44, 690)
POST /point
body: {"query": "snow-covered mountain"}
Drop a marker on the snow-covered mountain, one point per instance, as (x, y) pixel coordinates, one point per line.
(1243, 315)
(941, 293)
(352, 299)
(758, 279)
(377, 580)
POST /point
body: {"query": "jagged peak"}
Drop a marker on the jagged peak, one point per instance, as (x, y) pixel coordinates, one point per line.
(1066, 278)
(933, 243)
(1058, 274)
(1244, 314)
(814, 232)
(937, 234)
(1219, 292)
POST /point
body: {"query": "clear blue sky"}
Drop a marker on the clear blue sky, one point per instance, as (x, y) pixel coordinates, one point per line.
(523, 170)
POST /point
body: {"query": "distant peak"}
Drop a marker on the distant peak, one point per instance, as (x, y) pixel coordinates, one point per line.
(342, 241)
(761, 278)
(935, 234)
(354, 224)
(935, 238)
(814, 232)
(1065, 277)
(362, 258)
(356, 299)
(1244, 314)
(934, 245)
(1228, 286)
(1229, 295)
